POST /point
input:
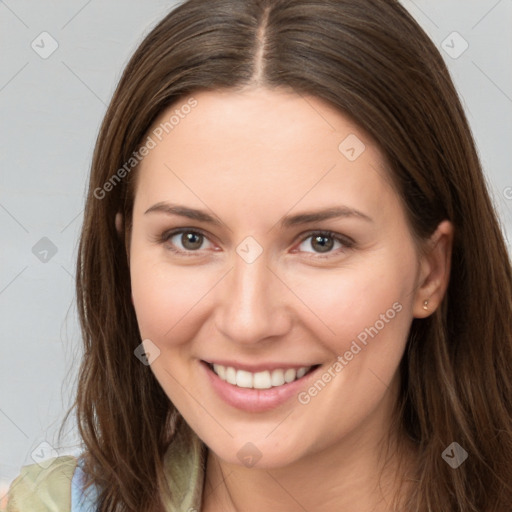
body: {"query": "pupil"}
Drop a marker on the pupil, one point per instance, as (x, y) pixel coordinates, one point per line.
(191, 240)
(324, 246)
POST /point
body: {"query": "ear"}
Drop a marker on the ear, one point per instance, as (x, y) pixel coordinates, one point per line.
(434, 273)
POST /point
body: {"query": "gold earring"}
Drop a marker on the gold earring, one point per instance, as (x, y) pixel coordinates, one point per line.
(425, 304)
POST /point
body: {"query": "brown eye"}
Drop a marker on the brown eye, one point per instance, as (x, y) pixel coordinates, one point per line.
(322, 243)
(185, 241)
(191, 241)
(325, 243)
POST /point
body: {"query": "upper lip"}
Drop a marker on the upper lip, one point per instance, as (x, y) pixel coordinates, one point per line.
(260, 367)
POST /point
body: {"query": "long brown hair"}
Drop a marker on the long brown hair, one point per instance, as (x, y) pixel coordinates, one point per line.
(373, 62)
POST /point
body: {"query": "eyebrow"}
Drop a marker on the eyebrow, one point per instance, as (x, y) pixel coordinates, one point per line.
(285, 222)
(183, 211)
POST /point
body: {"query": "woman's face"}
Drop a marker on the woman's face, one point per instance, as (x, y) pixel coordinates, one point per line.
(291, 252)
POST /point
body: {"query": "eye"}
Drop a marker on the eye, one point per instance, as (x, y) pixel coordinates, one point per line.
(185, 241)
(323, 242)
(189, 242)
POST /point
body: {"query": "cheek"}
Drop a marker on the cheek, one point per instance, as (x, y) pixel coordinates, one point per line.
(163, 296)
(167, 300)
(347, 302)
(365, 318)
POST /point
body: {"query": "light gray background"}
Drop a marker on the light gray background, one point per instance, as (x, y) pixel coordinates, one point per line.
(50, 111)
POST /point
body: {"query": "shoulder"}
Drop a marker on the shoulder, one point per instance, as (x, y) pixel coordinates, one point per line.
(43, 488)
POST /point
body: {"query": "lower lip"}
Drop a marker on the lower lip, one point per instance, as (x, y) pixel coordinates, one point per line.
(256, 400)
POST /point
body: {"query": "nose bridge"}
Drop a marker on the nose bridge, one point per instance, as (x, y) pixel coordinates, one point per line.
(251, 308)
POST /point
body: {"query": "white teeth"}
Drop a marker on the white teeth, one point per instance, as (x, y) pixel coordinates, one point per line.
(243, 379)
(259, 380)
(277, 378)
(230, 375)
(290, 374)
(220, 371)
(301, 372)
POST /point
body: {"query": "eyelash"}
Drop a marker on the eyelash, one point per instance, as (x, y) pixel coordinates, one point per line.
(346, 242)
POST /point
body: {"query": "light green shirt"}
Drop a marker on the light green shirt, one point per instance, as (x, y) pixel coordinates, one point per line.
(39, 489)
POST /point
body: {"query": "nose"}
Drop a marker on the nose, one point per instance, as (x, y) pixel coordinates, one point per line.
(253, 303)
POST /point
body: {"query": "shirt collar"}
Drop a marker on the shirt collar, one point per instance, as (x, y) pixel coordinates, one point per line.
(184, 465)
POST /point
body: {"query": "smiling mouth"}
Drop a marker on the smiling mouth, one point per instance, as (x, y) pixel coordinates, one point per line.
(265, 379)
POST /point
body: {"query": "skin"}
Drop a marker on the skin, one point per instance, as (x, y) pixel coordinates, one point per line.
(250, 158)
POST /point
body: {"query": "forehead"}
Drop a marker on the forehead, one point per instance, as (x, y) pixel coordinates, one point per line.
(260, 146)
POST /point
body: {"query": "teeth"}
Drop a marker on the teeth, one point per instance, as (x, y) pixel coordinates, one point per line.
(289, 375)
(243, 379)
(220, 371)
(230, 375)
(301, 372)
(277, 378)
(259, 380)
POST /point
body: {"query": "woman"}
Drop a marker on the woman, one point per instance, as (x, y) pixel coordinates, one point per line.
(292, 285)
